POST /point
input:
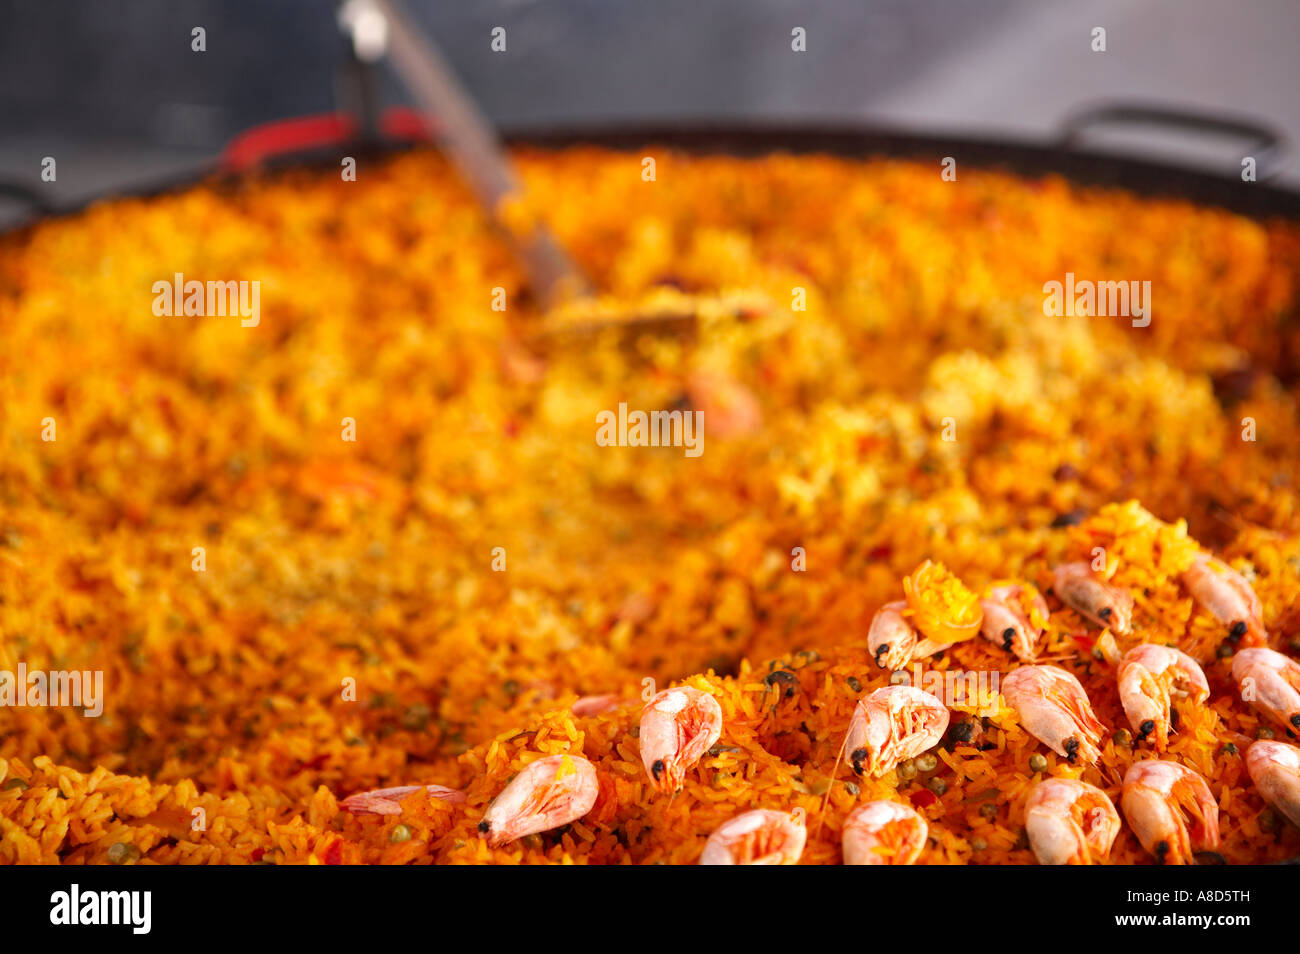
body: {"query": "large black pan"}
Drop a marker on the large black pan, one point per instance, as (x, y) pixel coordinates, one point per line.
(1257, 199)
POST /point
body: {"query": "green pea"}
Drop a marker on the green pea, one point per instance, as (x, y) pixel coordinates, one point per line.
(416, 717)
(121, 853)
(1037, 763)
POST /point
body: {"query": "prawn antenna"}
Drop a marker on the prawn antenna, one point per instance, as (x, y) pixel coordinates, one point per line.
(821, 816)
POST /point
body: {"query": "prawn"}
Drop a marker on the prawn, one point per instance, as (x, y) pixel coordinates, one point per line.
(1008, 624)
(1110, 607)
(884, 833)
(1270, 682)
(1274, 767)
(388, 801)
(1159, 798)
(891, 725)
(891, 638)
(1225, 594)
(759, 837)
(677, 727)
(586, 706)
(1070, 822)
(550, 792)
(1148, 676)
(1055, 710)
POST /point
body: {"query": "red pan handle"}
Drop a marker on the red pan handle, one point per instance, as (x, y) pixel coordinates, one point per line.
(288, 137)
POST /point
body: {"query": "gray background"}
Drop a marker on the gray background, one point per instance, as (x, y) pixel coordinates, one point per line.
(113, 91)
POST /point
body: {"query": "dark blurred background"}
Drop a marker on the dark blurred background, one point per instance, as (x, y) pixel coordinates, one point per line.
(112, 89)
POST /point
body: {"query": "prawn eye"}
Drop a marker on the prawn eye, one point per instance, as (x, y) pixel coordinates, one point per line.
(1147, 727)
(1295, 720)
(657, 769)
(1238, 630)
(858, 757)
(1105, 613)
(1162, 849)
(1071, 748)
(484, 827)
(1007, 635)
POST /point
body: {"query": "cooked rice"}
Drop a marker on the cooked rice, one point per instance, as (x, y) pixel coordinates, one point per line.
(373, 561)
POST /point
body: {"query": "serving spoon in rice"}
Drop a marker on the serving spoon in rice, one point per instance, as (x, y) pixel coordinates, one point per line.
(380, 27)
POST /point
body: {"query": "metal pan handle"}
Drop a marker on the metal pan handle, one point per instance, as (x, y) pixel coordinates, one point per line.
(1267, 144)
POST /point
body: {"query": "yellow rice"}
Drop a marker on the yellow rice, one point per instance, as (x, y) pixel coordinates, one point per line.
(330, 561)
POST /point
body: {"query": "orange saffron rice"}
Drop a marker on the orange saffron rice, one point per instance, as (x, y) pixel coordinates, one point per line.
(425, 603)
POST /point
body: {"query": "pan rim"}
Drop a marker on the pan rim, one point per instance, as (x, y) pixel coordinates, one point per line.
(1029, 159)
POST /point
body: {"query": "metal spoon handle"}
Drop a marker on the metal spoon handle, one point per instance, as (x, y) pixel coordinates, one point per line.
(475, 149)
